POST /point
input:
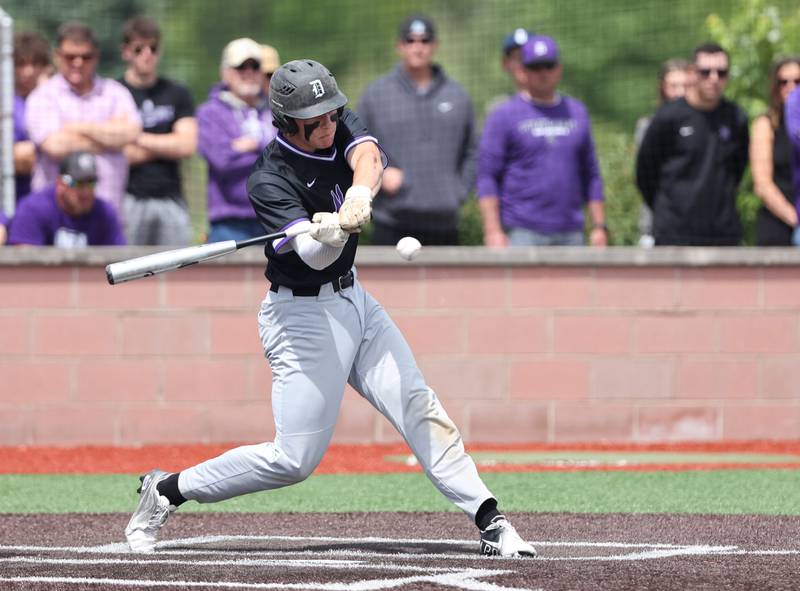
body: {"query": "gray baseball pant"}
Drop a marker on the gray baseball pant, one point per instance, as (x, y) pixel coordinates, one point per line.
(314, 346)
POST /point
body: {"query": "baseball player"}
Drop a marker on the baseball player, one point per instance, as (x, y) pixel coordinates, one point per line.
(320, 329)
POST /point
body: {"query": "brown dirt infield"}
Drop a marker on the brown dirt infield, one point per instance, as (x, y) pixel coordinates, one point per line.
(360, 551)
(364, 459)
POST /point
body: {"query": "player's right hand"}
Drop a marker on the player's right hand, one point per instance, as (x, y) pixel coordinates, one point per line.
(356, 209)
(325, 228)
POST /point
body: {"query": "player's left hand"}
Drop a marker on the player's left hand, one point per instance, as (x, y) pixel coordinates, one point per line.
(356, 209)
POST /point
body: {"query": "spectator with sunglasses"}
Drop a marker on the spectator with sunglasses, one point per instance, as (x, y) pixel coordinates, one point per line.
(155, 210)
(67, 213)
(235, 125)
(693, 157)
(78, 110)
(771, 159)
(425, 122)
(537, 166)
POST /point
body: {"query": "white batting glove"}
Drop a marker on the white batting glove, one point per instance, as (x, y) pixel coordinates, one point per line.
(325, 228)
(356, 209)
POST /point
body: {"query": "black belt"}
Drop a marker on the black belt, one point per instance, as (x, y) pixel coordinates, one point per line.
(339, 283)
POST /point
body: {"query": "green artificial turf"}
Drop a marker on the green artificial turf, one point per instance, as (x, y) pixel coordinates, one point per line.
(773, 492)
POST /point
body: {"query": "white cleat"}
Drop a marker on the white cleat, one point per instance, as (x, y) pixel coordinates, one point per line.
(501, 539)
(150, 515)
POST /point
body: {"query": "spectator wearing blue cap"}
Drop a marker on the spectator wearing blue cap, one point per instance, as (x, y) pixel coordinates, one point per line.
(425, 121)
(537, 166)
(512, 55)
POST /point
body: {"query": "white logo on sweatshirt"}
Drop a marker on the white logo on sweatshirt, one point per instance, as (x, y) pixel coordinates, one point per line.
(686, 131)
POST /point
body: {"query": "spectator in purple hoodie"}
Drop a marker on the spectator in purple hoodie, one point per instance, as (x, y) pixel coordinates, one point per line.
(235, 125)
(792, 120)
(537, 166)
(67, 214)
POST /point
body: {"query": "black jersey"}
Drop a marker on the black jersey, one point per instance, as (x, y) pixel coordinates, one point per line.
(688, 169)
(160, 106)
(289, 185)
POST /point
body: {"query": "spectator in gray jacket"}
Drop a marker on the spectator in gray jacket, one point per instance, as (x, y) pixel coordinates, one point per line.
(425, 122)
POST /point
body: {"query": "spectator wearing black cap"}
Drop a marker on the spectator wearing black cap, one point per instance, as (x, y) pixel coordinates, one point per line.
(425, 122)
(67, 214)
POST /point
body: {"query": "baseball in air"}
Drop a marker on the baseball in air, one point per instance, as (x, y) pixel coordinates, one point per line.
(408, 247)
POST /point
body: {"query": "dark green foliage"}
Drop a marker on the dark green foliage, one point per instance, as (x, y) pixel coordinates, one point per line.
(611, 50)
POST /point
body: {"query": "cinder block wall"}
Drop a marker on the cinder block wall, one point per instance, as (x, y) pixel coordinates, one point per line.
(517, 353)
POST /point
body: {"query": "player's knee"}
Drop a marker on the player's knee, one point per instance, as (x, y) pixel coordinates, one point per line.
(298, 472)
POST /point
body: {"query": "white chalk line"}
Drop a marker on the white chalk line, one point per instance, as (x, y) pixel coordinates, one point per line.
(174, 547)
(241, 562)
(467, 579)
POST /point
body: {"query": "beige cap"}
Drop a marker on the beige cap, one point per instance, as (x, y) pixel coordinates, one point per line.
(269, 59)
(239, 51)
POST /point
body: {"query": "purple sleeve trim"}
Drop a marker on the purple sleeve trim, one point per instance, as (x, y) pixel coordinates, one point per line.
(367, 138)
(280, 243)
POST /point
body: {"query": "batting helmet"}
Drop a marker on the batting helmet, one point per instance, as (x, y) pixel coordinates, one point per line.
(302, 89)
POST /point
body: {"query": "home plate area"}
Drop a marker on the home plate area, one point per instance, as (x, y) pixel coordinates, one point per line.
(365, 551)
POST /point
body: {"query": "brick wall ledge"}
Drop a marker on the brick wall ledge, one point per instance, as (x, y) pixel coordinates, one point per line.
(465, 256)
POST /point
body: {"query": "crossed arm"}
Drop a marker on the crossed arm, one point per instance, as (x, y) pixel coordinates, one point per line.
(95, 137)
(180, 143)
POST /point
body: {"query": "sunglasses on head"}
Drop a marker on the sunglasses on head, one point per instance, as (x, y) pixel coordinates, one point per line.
(787, 81)
(541, 66)
(706, 72)
(138, 49)
(248, 65)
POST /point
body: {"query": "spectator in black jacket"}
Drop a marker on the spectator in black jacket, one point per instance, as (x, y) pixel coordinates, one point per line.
(692, 159)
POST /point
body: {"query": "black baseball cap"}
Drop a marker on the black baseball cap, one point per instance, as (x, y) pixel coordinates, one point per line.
(81, 167)
(416, 24)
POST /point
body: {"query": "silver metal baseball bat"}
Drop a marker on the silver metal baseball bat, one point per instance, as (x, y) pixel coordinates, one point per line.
(169, 260)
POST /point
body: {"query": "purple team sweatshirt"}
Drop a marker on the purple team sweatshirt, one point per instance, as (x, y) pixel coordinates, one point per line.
(792, 121)
(40, 221)
(541, 162)
(23, 181)
(220, 120)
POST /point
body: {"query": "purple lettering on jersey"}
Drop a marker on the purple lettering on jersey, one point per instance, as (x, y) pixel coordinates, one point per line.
(338, 197)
